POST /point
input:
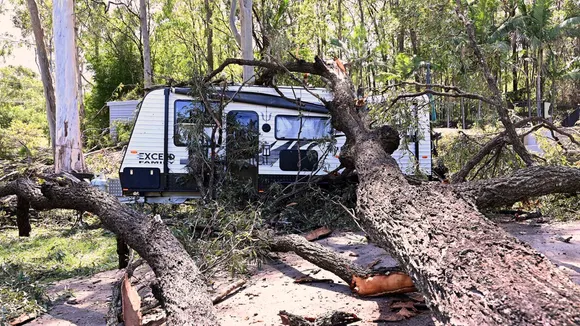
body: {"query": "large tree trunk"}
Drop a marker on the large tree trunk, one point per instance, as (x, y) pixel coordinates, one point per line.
(469, 269)
(147, 71)
(68, 154)
(44, 66)
(184, 294)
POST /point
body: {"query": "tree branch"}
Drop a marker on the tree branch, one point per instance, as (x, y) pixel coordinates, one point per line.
(525, 183)
(502, 139)
(185, 298)
(518, 146)
(299, 66)
(432, 92)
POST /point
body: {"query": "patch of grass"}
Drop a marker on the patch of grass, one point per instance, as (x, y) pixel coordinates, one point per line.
(52, 253)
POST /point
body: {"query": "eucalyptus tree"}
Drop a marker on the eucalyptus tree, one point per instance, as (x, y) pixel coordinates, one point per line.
(69, 150)
(44, 67)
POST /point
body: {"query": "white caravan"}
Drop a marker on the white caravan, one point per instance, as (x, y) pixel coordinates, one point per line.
(290, 129)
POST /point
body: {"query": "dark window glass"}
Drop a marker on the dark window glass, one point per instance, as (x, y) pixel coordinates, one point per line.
(303, 128)
(242, 134)
(187, 115)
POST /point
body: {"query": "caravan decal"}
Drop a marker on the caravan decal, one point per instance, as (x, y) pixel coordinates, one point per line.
(153, 158)
(266, 117)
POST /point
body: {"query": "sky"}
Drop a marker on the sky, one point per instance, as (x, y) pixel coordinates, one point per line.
(24, 55)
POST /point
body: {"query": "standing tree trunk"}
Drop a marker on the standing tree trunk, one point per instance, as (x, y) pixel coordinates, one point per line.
(401, 40)
(244, 39)
(147, 72)
(527, 73)
(44, 66)
(514, 44)
(209, 34)
(69, 154)
(246, 33)
(539, 80)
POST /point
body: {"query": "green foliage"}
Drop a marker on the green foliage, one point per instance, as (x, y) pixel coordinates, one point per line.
(456, 149)
(52, 253)
(23, 127)
(114, 58)
(221, 236)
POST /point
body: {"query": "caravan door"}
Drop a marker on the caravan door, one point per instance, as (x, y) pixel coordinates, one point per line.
(242, 143)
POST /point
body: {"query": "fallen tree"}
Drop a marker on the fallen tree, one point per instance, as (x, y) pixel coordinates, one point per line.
(469, 270)
(523, 184)
(362, 281)
(183, 293)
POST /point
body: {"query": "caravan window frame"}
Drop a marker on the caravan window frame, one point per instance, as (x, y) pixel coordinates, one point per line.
(301, 119)
(176, 123)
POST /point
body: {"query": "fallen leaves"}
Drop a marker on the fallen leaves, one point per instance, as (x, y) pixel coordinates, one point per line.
(406, 310)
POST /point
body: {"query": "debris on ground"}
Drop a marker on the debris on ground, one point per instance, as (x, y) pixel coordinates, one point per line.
(333, 318)
(309, 279)
(318, 234)
(564, 239)
(235, 287)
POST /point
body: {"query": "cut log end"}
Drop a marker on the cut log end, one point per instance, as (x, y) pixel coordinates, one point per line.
(377, 285)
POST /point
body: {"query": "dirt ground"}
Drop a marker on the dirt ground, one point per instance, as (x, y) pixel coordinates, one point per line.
(271, 288)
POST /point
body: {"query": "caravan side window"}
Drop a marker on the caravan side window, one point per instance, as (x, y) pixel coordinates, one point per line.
(305, 128)
(188, 116)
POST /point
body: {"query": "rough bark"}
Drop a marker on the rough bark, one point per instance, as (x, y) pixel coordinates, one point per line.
(184, 294)
(68, 152)
(522, 184)
(469, 270)
(123, 253)
(44, 66)
(147, 72)
(318, 255)
(362, 281)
